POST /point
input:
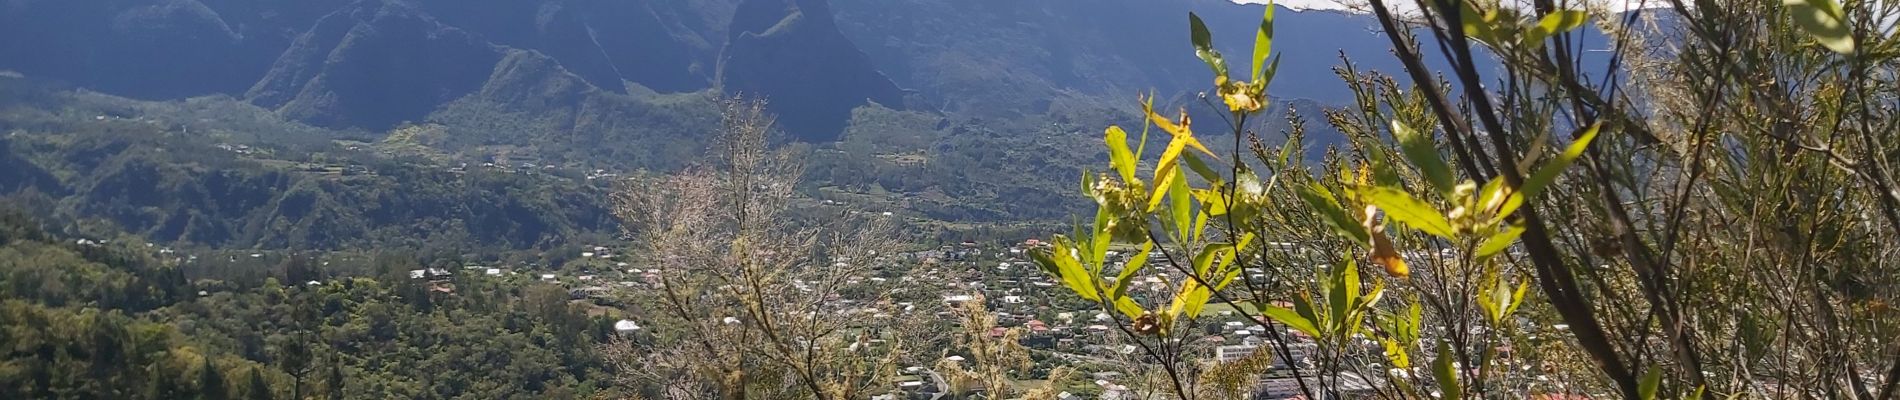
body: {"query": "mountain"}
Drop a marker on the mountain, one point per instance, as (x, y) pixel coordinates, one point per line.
(152, 49)
(792, 53)
(374, 64)
(952, 110)
(1012, 58)
(667, 46)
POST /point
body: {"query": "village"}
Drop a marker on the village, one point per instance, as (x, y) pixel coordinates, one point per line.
(1059, 329)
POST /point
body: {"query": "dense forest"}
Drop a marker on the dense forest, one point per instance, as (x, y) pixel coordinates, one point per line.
(92, 319)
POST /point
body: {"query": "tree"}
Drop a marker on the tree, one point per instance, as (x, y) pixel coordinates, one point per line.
(211, 384)
(257, 388)
(333, 381)
(295, 356)
(1711, 191)
(299, 269)
(166, 385)
(750, 292)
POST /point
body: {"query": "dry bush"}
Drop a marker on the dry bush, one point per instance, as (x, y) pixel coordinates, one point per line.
(752, 302)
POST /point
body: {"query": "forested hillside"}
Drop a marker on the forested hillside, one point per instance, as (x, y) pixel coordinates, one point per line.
(111, 319)
(198, 173)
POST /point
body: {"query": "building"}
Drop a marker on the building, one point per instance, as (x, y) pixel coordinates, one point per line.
(626, 327)
(1237, 352)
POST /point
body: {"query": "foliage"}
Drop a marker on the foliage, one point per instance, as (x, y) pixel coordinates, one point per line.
(91, 320)
(1647, 234)
(192, 184)
(751, 301)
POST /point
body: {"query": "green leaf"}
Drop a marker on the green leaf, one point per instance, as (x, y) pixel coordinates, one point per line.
(1204, 260)
(1059, 260)
(1349, 280)
(1164, 168)
(1503, 301)
(1118, 154)
(1499, 207)
(1204, 46)
(1489, 299)
(1180, 206)
(1652, 380)
(1443, 373)
(1517, 297)
(1263, 42)
(1088, 181)
(1303, 304)
(1824, 21)
(1211, 205)
(1286, 149)
(1190, 300)
(1477, 24)
(1373, 296)
(1549, 172)
(1396, 354)
(1273, 69)
(1338, 305)
(1200, 167)
(1401, 206)
(1128, 307)
(1423, 153)
(1383, 173)
(1323, 201)
(1502, 240)
(1417, 316)
(1092, 256)
(1291, 318)
(1362, 306)
(1141, 145)
(1553, 24)
(1183, 135)
(1135, 263)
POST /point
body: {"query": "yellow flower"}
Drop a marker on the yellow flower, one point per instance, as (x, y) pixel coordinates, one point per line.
(1241, 102)
(1240, 96)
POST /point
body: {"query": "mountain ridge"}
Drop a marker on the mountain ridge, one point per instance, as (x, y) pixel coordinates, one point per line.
(791, 53)
(291, 56)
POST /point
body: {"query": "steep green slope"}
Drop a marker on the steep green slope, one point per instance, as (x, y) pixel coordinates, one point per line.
(372, 66)
(117, 164)
(531, 106)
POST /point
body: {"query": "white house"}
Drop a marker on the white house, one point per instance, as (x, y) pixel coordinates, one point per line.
(625, 326)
